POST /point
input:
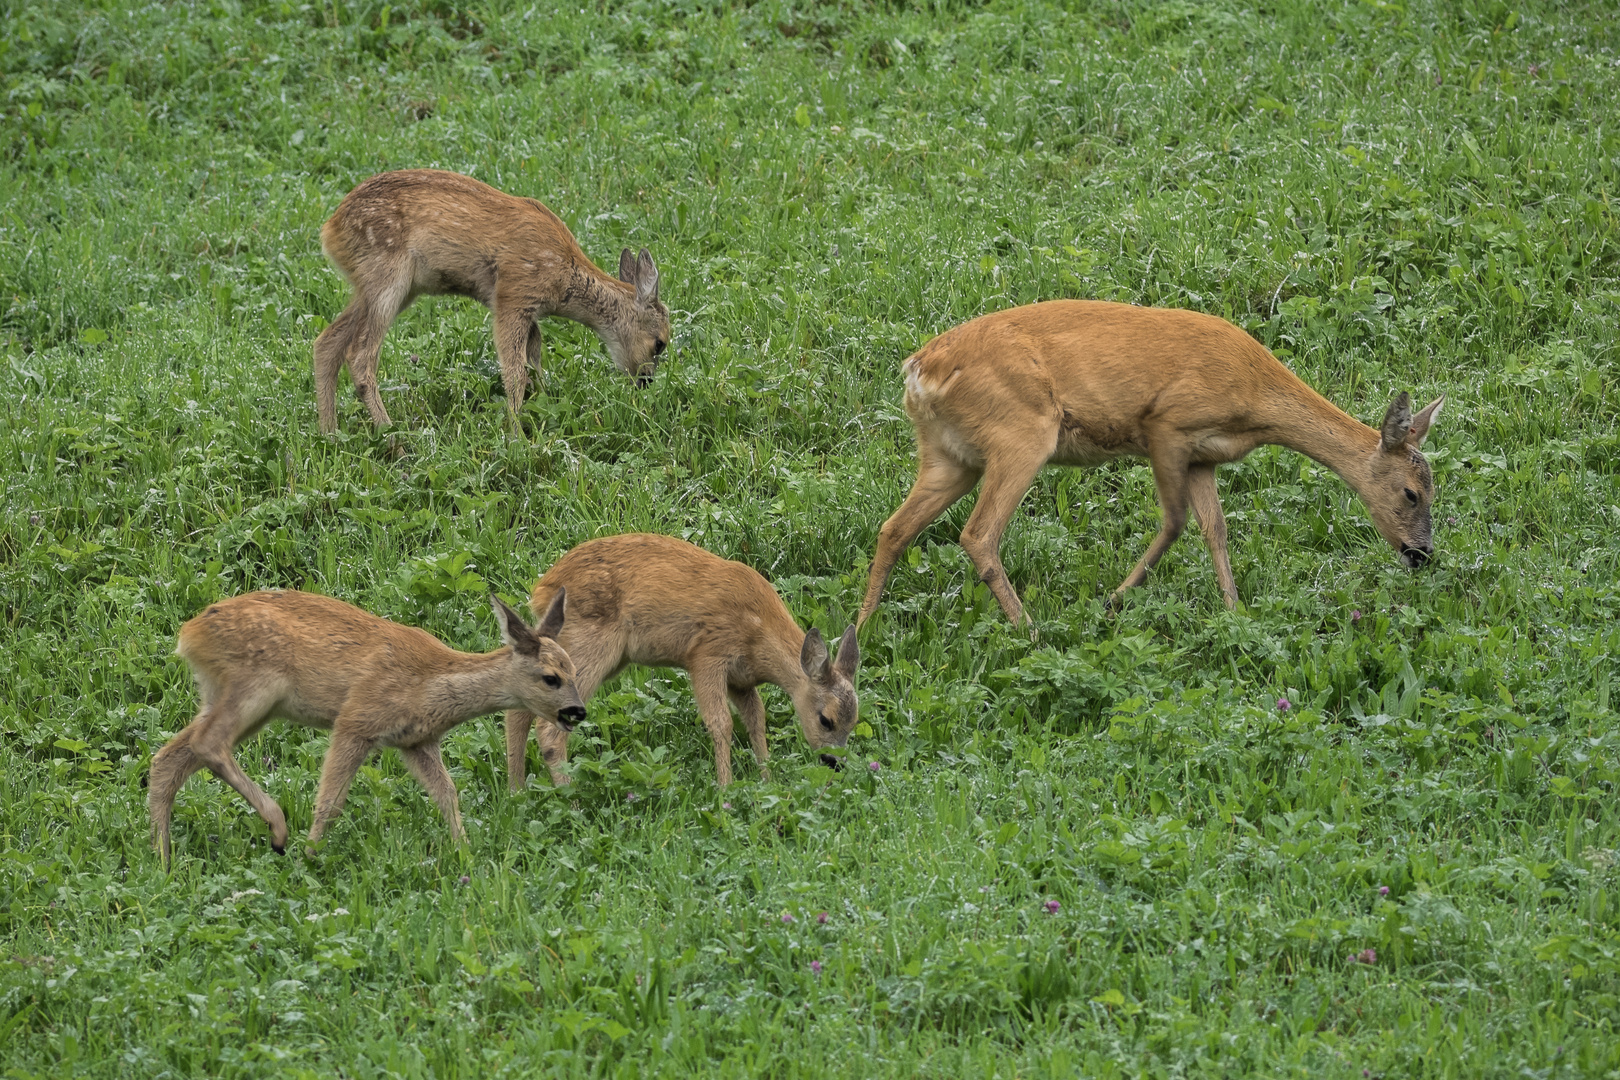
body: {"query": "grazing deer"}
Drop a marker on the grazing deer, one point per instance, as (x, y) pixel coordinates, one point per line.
(656, 600)
(1077, 382)
(320, 662)
(401, 234)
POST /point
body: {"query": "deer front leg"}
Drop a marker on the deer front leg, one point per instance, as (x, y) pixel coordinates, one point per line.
(518, 725)
(1171, 480)
(513, 327)
(1206, 507)
(709, 688)
(426, 763)
(752, 711)
(940, 482)
(343, 759)
(553, 740)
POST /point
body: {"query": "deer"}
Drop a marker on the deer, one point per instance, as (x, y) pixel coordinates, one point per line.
(400, 235)
(322, 663)
(1080, 382)
(640, 598)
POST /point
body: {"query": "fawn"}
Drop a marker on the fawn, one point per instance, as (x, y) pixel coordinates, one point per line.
(323, 663)
(401, 234)
(656, 600)
(1078, 382)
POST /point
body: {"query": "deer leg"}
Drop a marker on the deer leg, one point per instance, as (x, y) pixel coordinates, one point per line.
(344, 757)
(709, 688)
(171, 766)
(223, 765)
(1206, 507)
(536, 350)
(518, 725)
(426, 763)
(1171, 479)
(1006, 477)
(940, 482)
(513, 326)
(752, 711)
(332, 349)
(597, 654)
(365, 347)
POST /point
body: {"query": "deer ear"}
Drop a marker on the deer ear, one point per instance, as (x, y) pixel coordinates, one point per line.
(813, 657)
(1397, 422)
(627, 267)
(551, 625)
(849, 655)
(1423, 421)
(514, 631)
(646, 279)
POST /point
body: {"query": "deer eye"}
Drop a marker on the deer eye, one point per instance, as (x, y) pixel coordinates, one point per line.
(1411, 496)
(551, 680)
(659, 347)
(826, 724)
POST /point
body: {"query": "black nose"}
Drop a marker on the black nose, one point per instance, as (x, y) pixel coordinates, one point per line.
(574, 714)
(643, 380)
(834, 763)
(1417, 556)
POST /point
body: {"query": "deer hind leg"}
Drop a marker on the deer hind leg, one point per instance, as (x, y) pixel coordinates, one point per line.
(1206, 507)
(344, 757)
(332, 349)
(1007, 476)
(940, 482)
(752, 711)
(209, 742)
(1171, 479)
(382, 308)
(709, 688)
(171, 766)
(426, 763)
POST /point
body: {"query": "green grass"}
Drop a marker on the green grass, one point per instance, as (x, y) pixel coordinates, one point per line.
(1418, 196)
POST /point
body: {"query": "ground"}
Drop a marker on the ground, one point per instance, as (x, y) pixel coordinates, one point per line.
(1112, 851)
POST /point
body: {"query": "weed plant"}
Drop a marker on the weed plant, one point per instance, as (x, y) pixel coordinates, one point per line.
(1111, 852)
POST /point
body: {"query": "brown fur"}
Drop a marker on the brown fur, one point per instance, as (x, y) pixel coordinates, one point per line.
(656, 600)
(402, 234)
(1078, 382)
(320, 662)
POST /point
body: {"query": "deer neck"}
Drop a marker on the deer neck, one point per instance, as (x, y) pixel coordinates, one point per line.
(473, 684)
(1305, 421)
(594, 299)
(778, 663)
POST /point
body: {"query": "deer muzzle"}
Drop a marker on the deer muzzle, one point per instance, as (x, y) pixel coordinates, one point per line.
(569, 717)
(1414, 555)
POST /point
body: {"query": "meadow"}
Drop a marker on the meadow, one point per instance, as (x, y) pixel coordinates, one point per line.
(1110, 851)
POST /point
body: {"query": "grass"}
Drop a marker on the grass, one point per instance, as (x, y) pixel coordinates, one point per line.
(1392, 196)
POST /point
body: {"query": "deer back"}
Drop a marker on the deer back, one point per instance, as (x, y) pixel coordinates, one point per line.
(671, 602)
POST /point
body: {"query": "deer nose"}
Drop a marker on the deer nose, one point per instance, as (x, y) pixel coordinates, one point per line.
(569, 717)
(834, 763)
(1415, 556)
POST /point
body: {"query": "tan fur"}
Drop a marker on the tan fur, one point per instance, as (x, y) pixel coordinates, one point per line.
(1078, 382)
(402, 234)
(320, 662)
(656, 600)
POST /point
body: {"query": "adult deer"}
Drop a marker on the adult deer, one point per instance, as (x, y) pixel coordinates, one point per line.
(322, 663)
(1078, 382)
(402, 234)
(646, 599)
